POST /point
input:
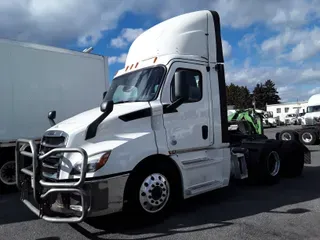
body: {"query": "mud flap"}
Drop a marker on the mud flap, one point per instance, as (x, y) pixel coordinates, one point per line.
(294, 155)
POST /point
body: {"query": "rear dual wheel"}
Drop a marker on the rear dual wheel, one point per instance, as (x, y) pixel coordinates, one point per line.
(288, 135)
(264, 162)
(268, 167)
(308, 137)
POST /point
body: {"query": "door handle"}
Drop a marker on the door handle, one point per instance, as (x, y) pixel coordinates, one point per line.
(204, 131)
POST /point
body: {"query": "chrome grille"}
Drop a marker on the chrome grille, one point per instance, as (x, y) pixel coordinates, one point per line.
(52, 139)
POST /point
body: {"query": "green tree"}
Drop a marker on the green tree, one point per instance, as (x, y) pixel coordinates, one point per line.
(265, 93)
(239, 96)
(271, 93)
(245, 100)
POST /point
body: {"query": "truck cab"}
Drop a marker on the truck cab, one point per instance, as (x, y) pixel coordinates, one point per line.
(160, 133)
(312, 116)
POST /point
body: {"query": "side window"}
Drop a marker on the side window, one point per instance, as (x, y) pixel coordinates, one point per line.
(194, 81)
(278, 110)
(286, 110)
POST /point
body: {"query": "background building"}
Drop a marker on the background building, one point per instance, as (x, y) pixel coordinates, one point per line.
(281, 110)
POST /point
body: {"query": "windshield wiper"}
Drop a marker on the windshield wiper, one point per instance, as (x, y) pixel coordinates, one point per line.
(123, 102)
(131, 101)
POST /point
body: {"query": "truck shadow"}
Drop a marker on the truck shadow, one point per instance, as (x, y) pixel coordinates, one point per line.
(12, 210)
(216, 209)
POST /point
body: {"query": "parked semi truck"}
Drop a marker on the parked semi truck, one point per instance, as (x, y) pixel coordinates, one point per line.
(160, 135)
(309, 133)
(36, 79)
(312, 116)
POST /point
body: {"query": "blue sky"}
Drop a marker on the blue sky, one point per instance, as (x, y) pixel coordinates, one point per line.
(276, 39)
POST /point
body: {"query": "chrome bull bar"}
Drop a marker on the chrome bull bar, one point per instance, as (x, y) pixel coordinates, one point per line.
(38, 184)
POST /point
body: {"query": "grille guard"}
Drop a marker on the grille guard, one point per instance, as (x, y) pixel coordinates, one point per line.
(38, 184)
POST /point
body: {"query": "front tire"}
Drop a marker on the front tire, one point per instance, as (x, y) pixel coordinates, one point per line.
(153, 191)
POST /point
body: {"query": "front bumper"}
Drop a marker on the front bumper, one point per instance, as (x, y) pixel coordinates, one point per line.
(69, 201)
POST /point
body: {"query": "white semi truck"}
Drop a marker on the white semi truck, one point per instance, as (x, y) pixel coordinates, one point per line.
(312, 116)
(161, 134)
(36, 79)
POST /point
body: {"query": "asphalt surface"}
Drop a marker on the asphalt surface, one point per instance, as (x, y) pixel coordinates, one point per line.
(289, 210)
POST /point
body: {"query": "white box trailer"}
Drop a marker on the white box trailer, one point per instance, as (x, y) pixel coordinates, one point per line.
(36, 79)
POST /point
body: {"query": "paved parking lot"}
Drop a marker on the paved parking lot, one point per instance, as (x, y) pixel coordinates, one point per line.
(289, 210)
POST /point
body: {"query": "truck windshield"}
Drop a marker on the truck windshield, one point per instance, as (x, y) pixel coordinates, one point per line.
(137, 86)
(311, 109)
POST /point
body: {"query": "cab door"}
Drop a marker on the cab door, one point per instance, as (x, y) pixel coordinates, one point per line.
(189, 130)
(188, 127)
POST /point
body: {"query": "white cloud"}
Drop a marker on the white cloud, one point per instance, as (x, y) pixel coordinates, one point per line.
(288, 80)
(248, 41)
(127, 36)
(275, 13)
(226, 48)
(117, 59)
(304, 44)
(311, 73)
(56, 21)
(314, 91)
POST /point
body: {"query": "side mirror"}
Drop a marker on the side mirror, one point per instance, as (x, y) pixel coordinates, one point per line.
(104, 94)
(51, 117)
(106, 107)
(181, 89)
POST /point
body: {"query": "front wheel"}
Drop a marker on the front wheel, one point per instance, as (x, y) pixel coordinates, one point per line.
(152, 192)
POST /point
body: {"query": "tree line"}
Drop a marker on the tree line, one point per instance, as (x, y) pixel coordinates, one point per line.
(263, 93)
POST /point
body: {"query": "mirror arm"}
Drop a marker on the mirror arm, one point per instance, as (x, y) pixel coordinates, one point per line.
(52, 122)
(173, 106)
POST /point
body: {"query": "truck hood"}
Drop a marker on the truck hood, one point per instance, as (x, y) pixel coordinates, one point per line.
(312, 118)
(82, 120)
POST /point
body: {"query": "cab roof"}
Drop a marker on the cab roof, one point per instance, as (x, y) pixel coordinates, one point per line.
(191, 34)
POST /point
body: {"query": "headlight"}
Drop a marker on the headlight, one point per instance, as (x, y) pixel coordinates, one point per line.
(92, 166)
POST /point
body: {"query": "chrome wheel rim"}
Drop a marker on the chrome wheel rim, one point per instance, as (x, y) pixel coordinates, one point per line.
(154, 193)
(307, 137)
(286, 137)
(273, 163)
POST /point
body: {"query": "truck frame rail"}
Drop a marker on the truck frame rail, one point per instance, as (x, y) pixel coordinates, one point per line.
(39, 186)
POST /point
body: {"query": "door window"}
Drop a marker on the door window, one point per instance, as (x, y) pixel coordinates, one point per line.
(194, 81)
